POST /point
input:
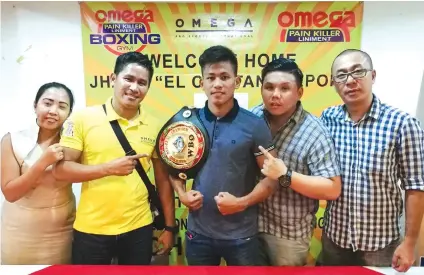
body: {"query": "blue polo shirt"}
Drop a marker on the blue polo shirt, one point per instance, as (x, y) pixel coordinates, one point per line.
(231, 167)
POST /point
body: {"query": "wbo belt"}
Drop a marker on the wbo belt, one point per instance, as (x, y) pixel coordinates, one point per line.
(183, 143)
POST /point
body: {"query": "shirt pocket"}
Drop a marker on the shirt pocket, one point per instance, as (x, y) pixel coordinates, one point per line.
(375, 158)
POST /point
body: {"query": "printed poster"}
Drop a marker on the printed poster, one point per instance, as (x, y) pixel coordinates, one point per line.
(174, 35)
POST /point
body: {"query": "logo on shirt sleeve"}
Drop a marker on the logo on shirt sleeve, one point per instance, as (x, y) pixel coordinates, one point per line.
(69, 129)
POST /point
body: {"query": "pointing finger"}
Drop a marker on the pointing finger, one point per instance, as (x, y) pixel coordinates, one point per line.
(265, 152)
(138, 156)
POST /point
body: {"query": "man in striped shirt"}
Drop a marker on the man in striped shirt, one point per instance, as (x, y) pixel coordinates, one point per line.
(378, 146)
(306, 167)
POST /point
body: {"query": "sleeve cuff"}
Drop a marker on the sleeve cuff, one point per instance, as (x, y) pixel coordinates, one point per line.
(257, 154)
(71, 145)
(326, 174)
(413, 184)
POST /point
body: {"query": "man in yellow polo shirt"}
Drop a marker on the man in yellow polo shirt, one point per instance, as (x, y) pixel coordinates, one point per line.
(114, 217)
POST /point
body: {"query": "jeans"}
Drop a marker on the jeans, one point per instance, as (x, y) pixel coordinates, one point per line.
(333, 255)
(130, 248)
(202, 250)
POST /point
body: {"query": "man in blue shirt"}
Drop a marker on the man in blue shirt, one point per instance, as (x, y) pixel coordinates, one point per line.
(222, 222)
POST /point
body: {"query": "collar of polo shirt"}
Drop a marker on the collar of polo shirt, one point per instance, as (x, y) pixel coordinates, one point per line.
(112, 115)
(230, 116)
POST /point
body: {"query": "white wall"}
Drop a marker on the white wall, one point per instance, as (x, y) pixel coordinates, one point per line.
(393, 34)
(41, 42)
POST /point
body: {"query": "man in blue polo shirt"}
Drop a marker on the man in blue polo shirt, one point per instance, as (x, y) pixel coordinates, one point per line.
(222, 222)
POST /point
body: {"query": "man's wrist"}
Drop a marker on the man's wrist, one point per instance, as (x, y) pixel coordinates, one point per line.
(410, 241)
(280, 174)
(105, 170)
(172, 228)
(180, 192)
(283, 172)
(243, 202)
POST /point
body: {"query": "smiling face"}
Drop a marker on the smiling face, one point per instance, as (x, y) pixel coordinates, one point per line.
(131, 86)
(280, 93)
(52, 108)
(219, 82)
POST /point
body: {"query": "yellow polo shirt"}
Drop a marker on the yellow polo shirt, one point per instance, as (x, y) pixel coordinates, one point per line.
(114, 204)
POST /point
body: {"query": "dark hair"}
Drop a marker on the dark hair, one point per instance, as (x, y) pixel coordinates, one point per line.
(56, 85)
(133, 57)
(216, 54)
(284, 65)
(349, 51)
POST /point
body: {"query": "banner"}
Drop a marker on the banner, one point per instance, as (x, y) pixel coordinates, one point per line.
(174, 35)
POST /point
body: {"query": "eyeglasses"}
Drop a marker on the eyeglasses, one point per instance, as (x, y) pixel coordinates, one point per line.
(342, 78)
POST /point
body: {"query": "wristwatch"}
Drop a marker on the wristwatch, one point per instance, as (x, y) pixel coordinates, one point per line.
(285, 180)
(173, 229)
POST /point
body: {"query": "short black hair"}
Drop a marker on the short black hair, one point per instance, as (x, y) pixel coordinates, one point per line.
(56, 85)
(349, 51)
(216, 54)
(134, 57)
(284, 65)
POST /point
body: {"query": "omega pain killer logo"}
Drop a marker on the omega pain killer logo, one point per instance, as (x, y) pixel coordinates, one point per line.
(316, 26)
(121, 31)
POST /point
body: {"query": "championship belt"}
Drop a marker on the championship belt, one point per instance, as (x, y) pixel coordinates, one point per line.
(183, 143)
